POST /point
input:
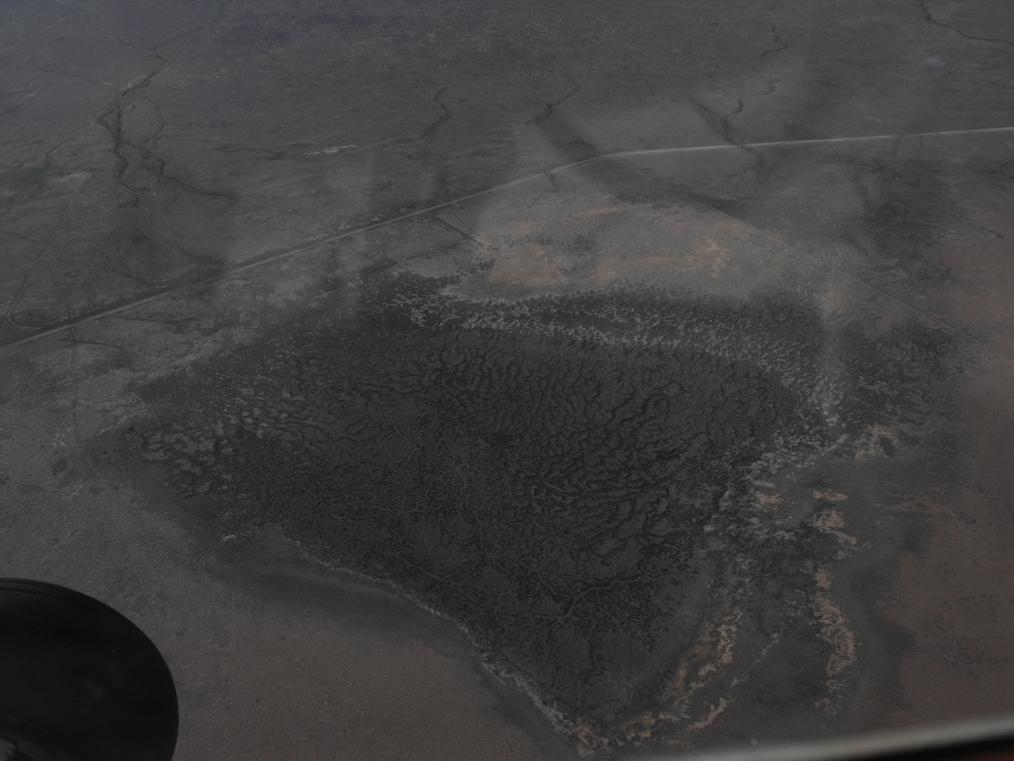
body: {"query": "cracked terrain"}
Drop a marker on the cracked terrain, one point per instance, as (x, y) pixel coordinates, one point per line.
(552, 477)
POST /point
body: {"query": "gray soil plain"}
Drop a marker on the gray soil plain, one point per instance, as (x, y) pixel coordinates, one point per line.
(518, 380)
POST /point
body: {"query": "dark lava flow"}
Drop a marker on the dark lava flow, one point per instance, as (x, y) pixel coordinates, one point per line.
(567, 477)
